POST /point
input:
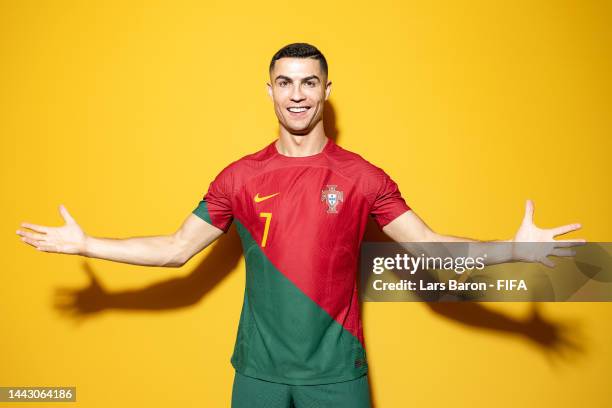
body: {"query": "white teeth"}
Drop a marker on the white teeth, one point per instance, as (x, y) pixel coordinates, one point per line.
(296, 110)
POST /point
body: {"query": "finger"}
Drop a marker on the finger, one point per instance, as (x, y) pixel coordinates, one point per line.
(563, 252)
(30, 241)
(565, 243)
(528, 218)
(66, 215)
(32, 235)
(547, 262)
(565, 229)
(38, 228)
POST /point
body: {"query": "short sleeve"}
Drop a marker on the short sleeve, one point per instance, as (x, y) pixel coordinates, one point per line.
(388, 203)
(216, 206)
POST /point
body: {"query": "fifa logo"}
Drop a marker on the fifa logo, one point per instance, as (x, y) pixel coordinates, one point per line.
(333, 197)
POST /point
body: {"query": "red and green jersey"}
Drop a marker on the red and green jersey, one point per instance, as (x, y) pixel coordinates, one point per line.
(301, 221)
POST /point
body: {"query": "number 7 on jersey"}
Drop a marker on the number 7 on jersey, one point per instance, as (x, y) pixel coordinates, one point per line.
(268, 217)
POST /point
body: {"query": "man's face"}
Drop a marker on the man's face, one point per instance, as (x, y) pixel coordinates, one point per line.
(299, 90)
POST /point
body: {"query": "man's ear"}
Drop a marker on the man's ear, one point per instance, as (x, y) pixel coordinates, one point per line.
(327, 89)
(270, 91)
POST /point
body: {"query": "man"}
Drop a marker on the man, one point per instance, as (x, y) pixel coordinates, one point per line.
(300, 205)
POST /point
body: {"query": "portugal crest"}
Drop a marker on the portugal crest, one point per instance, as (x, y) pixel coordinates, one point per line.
(332, 197)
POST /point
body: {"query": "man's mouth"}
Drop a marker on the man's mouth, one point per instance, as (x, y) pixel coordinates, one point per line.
(298, 110)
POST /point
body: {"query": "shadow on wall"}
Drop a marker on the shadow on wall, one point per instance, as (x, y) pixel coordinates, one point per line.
(553, 338)
(169, 294)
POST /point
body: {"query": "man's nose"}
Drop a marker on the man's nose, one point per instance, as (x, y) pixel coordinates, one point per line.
(297, 95)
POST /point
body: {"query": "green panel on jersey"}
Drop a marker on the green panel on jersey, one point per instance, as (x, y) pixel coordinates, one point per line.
(202, 212)
(283, 335)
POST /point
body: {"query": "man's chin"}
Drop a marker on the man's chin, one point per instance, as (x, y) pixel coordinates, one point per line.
(298, 130)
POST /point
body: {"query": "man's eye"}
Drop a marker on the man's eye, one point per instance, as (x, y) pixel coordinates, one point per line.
(282, 83)
(310, 83)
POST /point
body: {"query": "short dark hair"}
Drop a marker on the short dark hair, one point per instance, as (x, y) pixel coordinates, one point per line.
(300, 50)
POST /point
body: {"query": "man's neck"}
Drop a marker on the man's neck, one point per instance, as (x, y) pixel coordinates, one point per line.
(292, 145)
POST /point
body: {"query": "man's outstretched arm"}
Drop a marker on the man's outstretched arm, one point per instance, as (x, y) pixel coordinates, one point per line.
(409, 227)
(173, 250)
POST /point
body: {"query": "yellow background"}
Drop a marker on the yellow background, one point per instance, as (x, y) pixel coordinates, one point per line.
(125, 111)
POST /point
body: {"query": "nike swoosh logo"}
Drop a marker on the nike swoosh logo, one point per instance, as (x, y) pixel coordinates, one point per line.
(259, 199)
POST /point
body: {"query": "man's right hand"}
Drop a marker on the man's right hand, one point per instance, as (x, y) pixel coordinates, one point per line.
(67, 239)
(173, 250)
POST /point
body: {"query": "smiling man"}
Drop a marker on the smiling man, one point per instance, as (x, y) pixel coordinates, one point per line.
(300, 205)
